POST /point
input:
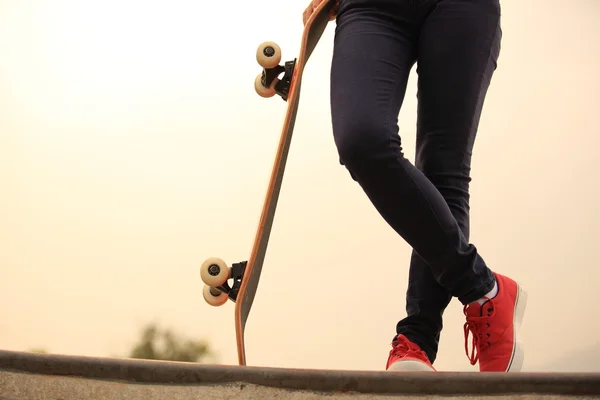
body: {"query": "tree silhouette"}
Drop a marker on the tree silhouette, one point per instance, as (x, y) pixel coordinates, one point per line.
(38, 350)
(156, 343)
(163, 344)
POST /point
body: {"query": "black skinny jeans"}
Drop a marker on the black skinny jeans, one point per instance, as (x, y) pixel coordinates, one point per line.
(455, 44)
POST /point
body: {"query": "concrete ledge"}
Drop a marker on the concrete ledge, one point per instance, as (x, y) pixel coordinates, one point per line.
(15, 364)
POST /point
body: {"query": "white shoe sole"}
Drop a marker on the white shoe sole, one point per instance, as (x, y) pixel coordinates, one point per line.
(518, 354)
(410, 365)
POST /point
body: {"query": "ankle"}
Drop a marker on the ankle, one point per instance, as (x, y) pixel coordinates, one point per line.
(489, 295)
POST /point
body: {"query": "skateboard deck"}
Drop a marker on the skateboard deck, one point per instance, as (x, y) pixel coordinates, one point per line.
(245, 275)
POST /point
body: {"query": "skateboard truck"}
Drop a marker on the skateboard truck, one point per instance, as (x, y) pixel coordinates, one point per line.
(282, 86)
(267, 84)
(215, 273)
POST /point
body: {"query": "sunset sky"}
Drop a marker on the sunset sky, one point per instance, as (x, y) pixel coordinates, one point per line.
(133, 146)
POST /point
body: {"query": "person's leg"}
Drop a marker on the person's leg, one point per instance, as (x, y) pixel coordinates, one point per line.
(374, 50)
(426, 301)
(443, 153)
(459, 46)
(372, 57)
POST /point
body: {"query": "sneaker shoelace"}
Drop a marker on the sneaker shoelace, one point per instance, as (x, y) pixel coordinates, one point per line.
(401, 347)
(479, 327)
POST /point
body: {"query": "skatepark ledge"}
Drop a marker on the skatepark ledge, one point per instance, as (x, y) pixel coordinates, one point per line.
(31, 376)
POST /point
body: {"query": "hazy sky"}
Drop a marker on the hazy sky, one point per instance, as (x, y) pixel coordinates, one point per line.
(133, 146)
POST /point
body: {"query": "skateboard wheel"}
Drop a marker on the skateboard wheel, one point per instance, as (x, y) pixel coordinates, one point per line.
(213, 296)
(264, 91)
(268, 55)
(214, 272)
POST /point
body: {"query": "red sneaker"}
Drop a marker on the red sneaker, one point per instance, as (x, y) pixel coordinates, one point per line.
(494, 326)
(407, 356)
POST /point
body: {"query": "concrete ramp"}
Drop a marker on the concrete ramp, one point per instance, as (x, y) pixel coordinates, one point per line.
(28, 376)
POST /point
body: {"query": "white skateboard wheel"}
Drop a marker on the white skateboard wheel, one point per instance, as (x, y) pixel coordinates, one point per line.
(214, 300)
(268, 55)
(214, 272)
(264, 91)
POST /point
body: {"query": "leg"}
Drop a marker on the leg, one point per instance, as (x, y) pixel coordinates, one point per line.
(454, 74)
(464, 37)
(426, 301)
(374, 49)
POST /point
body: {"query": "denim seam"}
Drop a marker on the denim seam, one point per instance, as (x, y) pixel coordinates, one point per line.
(489, 56)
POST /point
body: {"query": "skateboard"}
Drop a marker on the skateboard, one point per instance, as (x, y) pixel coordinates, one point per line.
(244, 276)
